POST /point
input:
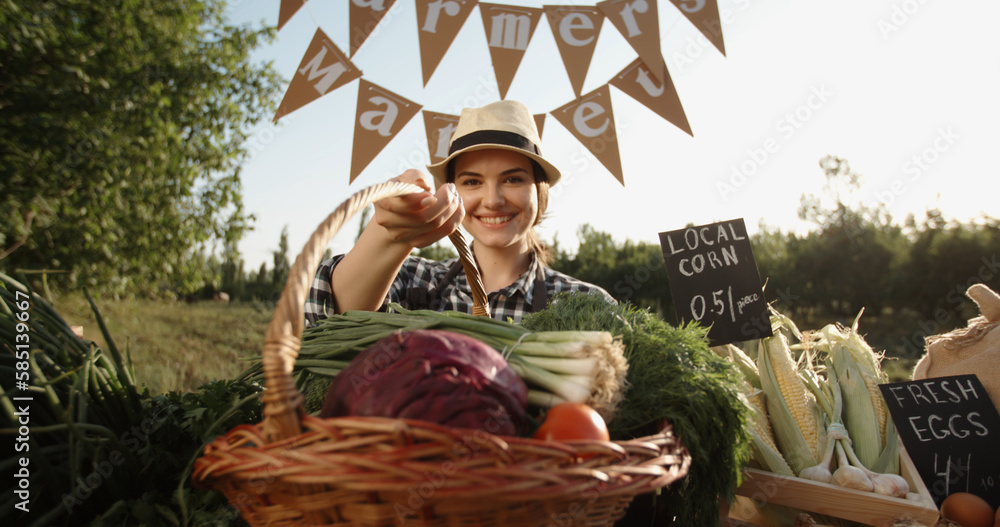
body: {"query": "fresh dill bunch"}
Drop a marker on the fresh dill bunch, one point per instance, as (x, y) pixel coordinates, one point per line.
(673, 377)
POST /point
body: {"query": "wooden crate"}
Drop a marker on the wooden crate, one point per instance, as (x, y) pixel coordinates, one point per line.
(832, 500)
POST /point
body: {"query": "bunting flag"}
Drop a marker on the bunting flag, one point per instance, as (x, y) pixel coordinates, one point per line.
(639, 22)
(364, 15)
(704, 14)
(638, 82)
(438, 23)
(539, 123)
(439, 127)
(381, 114)
(324, 68)
(508, 32)
(287, 10)
(575, 29)
(592, 121)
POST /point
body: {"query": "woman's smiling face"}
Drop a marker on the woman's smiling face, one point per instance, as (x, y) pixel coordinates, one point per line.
(500, 196)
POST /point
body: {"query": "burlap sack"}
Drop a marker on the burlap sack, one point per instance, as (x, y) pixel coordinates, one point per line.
(974, 349)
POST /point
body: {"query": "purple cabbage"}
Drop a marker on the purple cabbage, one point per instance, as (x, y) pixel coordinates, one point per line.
(432, 375)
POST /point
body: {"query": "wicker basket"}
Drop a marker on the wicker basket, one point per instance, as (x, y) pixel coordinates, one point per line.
(296, 469)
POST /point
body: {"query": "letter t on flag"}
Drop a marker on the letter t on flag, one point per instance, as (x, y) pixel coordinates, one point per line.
(639, 83)
(381, 114)
(324, 68)
(439, 127)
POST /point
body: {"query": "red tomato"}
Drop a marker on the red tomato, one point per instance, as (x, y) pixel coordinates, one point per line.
(572, 421)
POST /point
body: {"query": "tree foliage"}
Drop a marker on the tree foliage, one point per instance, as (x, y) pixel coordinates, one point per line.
(121, 133)
(910, 278)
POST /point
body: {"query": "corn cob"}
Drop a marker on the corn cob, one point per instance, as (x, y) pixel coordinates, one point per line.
(793, 410)
(742, 361)
(865, 413)
(765, 450)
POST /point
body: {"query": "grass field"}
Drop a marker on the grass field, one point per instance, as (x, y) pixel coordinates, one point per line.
(175, 345)
(180, 346)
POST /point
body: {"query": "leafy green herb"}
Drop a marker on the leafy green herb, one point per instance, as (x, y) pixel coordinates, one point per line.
(673, 376)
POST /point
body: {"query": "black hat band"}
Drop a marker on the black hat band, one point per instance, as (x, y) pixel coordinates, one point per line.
(494, 137)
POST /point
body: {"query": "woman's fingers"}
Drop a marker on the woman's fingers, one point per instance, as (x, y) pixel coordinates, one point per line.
(446, 223)
(421, 218)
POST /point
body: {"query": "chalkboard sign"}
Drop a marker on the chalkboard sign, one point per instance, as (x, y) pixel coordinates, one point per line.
(714, 281)
(951, 431)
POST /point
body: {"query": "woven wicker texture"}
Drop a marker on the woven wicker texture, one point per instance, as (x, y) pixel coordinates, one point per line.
(293, 469)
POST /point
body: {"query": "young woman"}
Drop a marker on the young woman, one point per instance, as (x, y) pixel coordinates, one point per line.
(495, 183)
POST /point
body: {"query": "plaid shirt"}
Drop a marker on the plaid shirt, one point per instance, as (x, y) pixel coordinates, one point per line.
(509, 303)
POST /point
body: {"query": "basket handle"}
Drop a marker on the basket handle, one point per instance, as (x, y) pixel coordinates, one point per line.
(283, 403)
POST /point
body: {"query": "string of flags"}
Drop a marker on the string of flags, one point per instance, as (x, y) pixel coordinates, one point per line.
(508, 29)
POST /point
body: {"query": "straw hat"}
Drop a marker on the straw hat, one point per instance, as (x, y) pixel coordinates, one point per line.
(503, 125)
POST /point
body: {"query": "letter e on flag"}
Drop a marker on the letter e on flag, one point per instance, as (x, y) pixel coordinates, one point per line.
(591, 120)
(575, 29)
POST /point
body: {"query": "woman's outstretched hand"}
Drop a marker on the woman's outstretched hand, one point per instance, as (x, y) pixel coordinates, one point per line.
(421, 218)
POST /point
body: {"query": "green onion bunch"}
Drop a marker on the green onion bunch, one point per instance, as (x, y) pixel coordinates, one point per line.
(577, 366)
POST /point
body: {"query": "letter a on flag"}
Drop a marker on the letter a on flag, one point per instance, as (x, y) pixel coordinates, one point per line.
(324, 68)
(704, 14)
(381, 114)
(508, 32)
(591, 120)
(364, 15)
(639, 83)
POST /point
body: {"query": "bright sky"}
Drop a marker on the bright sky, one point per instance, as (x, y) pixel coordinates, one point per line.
(905, 90)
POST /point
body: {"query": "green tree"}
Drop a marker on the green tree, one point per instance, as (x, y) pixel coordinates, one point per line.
(279, 274)
(122, 127)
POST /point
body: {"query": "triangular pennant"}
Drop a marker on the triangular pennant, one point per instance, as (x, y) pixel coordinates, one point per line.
(381, 114)
(704, 14)
(539, 123)
(639, 22)
(439, 127)
(323, 69)
(287, 10)
(592, 121)
(575, 29)
(364, 15)
(639, 83)
(508, 32)
(438, 22)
